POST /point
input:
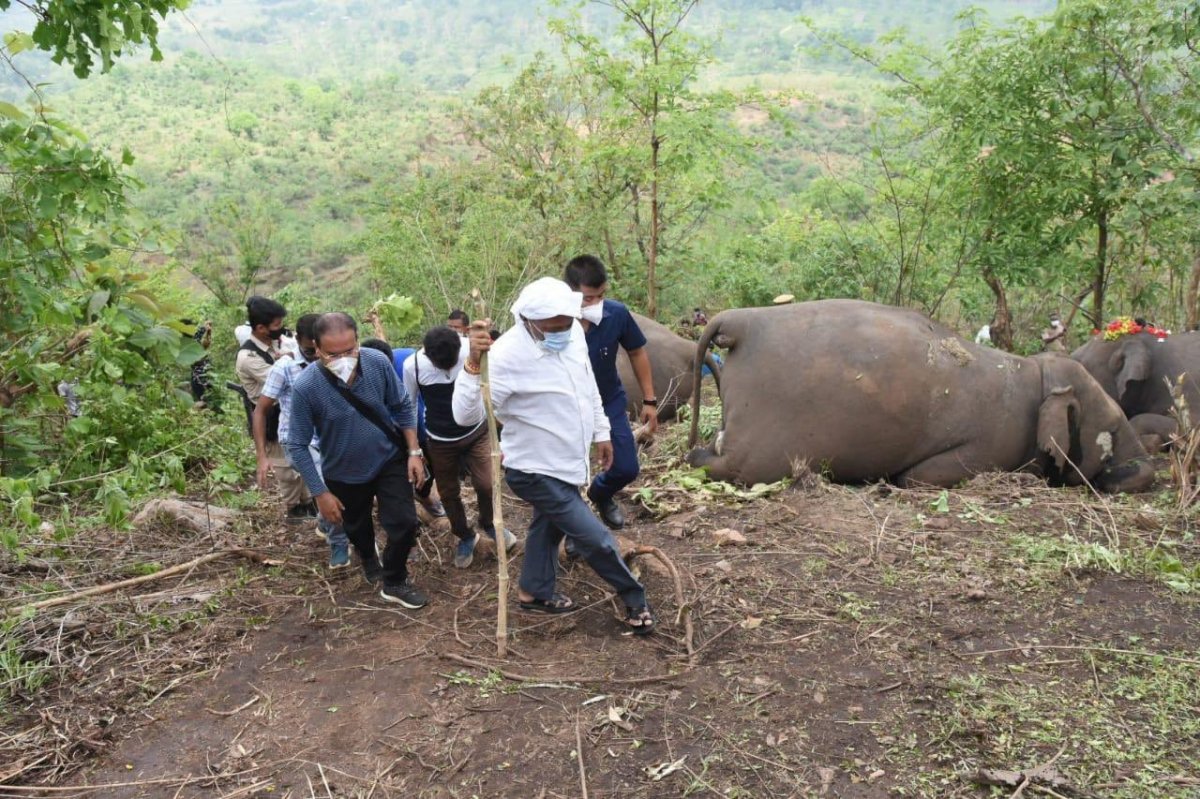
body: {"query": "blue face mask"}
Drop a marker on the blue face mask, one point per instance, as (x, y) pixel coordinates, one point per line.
(555, 342)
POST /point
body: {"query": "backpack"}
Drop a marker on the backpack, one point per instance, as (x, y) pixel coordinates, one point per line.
(273, 414)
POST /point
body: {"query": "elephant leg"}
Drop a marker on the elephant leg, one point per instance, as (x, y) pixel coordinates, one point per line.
(1155, 430)
(944, 469)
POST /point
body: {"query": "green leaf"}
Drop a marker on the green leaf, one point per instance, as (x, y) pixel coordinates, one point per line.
(12, 112)
(18, 42)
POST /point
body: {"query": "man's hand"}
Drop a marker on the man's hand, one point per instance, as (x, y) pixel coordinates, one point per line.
(481, 340)
(416, 470)
(650, 419)
(263, 473)
(604, 455)
(330, 507)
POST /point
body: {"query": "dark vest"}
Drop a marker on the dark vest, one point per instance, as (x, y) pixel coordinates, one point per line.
(439, 407)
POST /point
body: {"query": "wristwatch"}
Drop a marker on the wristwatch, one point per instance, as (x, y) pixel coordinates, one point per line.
(652, 402)
(416, 453)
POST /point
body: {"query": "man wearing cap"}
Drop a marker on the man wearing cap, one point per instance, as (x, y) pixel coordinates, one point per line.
(544, 393)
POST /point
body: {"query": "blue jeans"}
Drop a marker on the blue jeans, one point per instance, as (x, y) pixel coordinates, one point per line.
(558, 511)
(624, 469)
(333, 532)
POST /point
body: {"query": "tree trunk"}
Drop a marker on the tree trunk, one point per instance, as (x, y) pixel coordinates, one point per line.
(1193, 295)
(1002, 333)
(652, 260)
(1101, 276)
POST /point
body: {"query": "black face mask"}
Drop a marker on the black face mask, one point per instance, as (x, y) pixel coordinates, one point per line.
(275, 334)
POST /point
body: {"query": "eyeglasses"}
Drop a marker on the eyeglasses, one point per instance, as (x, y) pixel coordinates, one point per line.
(352, 351)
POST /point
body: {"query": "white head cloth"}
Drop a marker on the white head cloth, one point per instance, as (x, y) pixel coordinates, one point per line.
(547, 297)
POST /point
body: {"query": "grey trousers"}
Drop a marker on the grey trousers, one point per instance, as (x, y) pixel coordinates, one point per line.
(558, 511)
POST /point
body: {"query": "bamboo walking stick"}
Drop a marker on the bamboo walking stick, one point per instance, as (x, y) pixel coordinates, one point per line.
(485, 388)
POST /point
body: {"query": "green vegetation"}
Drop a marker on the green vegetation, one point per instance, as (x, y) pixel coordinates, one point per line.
(981, 166)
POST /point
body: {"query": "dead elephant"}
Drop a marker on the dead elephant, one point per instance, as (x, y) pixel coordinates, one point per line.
(860, 391)
(671, 365)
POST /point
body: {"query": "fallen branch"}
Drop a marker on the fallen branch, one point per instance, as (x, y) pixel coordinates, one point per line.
(250, 554)
(579, 757)
(518, 677)
(1069, 648)
(684, 609)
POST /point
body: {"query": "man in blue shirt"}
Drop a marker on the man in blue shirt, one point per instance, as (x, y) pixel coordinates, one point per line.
(367, 425)
(608, 325)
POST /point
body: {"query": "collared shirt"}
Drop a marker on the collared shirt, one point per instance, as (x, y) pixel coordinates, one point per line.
(353, 449)
(548, 403)
(440, 422)
(278, 387)
(252, 369)
(617, 328)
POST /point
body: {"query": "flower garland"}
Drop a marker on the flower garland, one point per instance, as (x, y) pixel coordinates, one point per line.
(1128, 326)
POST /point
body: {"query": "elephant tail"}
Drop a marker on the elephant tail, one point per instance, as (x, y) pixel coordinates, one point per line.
(704, 358)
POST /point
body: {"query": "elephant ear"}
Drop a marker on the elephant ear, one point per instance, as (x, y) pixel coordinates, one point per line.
(1054, 424)
(1129, 364)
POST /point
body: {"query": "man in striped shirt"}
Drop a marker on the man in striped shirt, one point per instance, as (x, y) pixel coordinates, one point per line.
(366, 422)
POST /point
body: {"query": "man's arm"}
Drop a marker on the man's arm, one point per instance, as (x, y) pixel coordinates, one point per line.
(639, 359)
(300, 435)
(467, 403)
(403, 409)
(259, 430)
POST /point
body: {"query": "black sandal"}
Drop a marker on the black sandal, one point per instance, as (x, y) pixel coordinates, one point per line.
(559, 603)
(639, 620)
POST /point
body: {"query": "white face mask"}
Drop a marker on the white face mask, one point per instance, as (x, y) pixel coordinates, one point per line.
(343, 367)
(593, 313)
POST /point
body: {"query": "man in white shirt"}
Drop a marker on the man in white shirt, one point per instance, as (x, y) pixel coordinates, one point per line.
(544, 393)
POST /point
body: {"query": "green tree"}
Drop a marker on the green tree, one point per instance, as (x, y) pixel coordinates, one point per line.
(669, 144)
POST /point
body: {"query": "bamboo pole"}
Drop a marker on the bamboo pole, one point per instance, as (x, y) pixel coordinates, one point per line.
(485, 388)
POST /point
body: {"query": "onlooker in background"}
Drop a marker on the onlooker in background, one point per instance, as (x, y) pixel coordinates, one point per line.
(278, 389)
(367, 425)
(608, 326)
(254, 360)
(1054, 337)
(545, 394)
(431, 511)
(430, 374)
(459, 322)
(201, 380)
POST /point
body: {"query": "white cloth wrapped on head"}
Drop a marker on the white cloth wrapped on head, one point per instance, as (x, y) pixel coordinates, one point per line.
(546, 298)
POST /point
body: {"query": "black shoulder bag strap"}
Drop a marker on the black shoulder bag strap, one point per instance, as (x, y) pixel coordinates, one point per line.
(366, 411)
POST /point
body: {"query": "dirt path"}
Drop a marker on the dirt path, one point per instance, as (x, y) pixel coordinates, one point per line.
(844, 654)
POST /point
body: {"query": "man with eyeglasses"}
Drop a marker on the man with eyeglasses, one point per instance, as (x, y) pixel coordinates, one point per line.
(277, 390)
(354, 402)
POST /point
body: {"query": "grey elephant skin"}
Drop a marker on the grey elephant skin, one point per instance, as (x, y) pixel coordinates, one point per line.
(861, 392)
(671, 358)
(1135, 370)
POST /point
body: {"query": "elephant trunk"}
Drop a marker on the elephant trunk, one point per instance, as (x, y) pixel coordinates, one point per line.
(702, 357)
(1132, 476)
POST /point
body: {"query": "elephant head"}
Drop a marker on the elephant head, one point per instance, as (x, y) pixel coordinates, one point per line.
(1122, 367)
(1084, 434)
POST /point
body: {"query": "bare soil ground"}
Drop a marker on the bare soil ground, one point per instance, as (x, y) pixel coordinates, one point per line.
(864, 642)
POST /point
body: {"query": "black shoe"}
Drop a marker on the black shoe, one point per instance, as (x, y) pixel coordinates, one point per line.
(609, 511)
(305, 510)
(372, 571)
(405, 594)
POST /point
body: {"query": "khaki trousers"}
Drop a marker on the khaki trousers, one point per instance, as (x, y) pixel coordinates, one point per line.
(287, 480)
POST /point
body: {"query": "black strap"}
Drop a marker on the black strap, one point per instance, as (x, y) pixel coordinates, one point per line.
(249, 346)
(366, 410)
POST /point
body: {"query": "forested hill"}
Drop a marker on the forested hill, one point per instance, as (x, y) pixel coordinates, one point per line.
(276, 131)
(452, 44)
